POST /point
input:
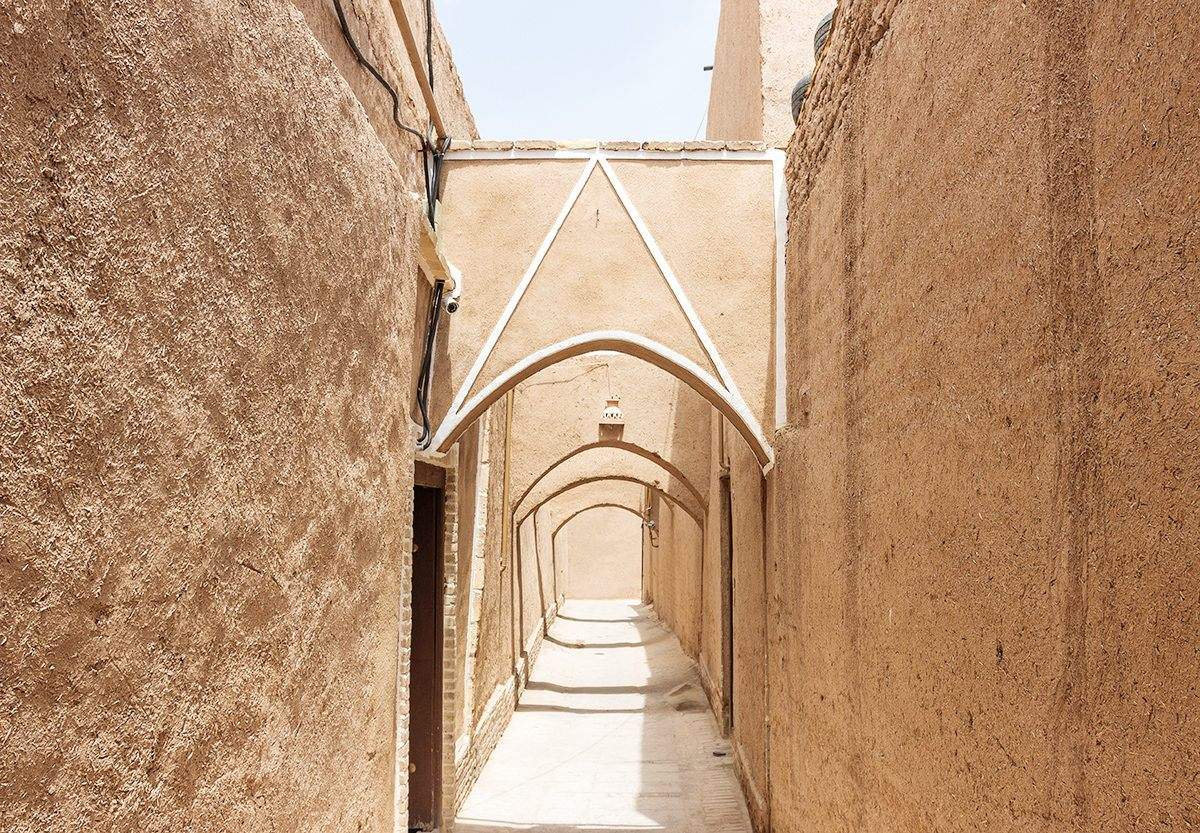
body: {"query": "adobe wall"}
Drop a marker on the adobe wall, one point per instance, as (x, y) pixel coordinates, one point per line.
(206, 477)
(763, 48)
(496, 649)
(673, 565)
(788, 27)
(984, 582)
(750, 696)
(712, 626)
(735, 94)
(601, 551)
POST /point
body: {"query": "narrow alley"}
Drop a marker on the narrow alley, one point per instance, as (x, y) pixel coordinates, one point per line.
(688, 416)
(613, 733)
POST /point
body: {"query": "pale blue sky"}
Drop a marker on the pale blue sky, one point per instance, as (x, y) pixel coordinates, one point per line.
(566, 69)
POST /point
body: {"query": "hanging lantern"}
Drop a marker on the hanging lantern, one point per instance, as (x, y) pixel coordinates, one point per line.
(612, 412)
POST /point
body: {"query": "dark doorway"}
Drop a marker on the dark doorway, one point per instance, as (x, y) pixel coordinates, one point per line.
(727, 602)
(425, 677)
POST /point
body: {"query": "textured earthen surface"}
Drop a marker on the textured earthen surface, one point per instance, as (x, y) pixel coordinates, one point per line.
(602, 551)
(763, 48)
(984, 587)
(735, 96)
(713, 221)
(750, 696)
(206, 475)
(673, 562)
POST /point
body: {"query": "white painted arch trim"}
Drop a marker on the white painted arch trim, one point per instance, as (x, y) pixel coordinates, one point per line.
(642, 452)
(694, 513)
(773, 155)
(660, 261)
(514, 300)
(687, 371)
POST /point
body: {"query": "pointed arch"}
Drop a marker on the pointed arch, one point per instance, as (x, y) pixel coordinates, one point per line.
(622, 478)
(729, 403)
(633, 448)
(578, 512)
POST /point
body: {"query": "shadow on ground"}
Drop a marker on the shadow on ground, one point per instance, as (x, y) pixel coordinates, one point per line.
(612, 734)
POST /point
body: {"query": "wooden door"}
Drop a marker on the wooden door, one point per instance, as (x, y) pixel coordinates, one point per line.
(425, 678)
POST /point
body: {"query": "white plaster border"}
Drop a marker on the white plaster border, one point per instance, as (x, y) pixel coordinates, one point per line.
(678, 365)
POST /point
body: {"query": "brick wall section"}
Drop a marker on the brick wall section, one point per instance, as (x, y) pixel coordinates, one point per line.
(496, 715)
(403, 669)
(451, 687)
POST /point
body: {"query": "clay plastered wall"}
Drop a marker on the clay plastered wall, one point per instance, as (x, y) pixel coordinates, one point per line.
(735, 94)
(497, 647)
(472, 462)
(673, 564)
(712, 625)
(447, 85)
(207, 284)
(538, 585)
(763, 48)
(602, 551)
(557, 412)
(985, 577)
(749, 622)
(788, 27)
(375, 26)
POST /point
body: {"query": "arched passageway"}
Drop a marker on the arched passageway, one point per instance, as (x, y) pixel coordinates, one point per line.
(575, 514)
(598, 464)
(666, 465)
(600, 550)
(695, 513)
(718, 394)
(599, 283)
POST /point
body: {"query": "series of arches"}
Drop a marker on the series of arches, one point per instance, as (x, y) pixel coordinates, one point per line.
(691, 512)
(621, 445)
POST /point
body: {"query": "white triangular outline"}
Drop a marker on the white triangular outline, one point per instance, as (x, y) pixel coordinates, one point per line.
(724, 377)
(515, 299)
(668, 274)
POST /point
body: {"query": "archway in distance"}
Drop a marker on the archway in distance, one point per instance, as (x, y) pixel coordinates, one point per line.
(689, 511)
(579, 512)
(642, 473)
(633, 448)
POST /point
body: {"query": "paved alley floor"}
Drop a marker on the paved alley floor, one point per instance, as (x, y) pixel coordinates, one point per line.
(612, 734)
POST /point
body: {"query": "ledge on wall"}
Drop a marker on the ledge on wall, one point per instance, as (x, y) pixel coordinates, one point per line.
(596, 144)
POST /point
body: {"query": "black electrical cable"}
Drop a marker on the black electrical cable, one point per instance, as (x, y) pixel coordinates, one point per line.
(429, 42)
(369, 67)
(426, 375)
(432, 156)
(433, 175)
(433, 159)
(431, 153)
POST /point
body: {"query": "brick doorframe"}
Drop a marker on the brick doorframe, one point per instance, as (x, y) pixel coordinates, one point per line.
(451, 695)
